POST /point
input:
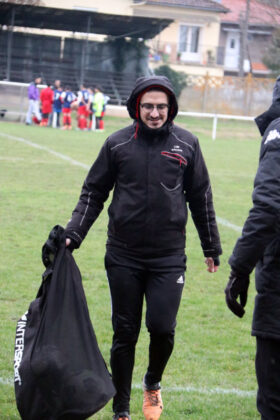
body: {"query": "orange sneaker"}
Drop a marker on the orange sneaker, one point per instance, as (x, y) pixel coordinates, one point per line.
(152, 404)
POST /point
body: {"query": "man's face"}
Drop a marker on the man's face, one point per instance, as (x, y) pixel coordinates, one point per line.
(38, 80)
(154, 108)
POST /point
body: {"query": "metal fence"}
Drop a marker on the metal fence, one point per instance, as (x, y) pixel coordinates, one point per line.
(246, 96)
(215, 96)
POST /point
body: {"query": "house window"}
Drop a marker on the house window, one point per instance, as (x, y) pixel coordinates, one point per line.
(188, 39)
(188, 42)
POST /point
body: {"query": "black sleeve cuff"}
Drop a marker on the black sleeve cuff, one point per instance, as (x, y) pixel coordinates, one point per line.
(76, 240)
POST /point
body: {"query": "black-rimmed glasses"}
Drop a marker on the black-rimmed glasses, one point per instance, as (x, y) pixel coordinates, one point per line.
(150, 107)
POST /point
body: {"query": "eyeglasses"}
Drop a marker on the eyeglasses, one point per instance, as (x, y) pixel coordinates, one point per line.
(150, 107)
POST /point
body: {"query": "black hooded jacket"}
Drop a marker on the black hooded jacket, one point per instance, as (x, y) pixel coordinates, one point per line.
(259, 245)
(154, 173)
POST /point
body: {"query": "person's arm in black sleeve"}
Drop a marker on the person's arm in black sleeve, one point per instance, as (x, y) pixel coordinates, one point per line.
(263, 221)
(199, 196)
(95, 191)
(259, 229)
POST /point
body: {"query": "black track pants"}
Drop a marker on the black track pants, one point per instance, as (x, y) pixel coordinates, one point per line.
(160, 280)
(268, 376)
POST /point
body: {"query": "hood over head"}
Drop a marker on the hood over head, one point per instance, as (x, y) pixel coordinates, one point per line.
(273, 111)
(143, 85)
(276, 90)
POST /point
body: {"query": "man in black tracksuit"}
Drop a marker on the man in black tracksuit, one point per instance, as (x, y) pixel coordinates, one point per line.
(259, 246)
(155, 169)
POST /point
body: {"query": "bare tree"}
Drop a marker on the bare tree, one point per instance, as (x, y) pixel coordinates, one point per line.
(272, 56)
(244, 22)
(272, 10)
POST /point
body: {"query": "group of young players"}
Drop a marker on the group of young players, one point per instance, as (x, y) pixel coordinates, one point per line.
(89, 103)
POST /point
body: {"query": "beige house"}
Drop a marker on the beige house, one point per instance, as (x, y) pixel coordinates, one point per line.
(191, 42)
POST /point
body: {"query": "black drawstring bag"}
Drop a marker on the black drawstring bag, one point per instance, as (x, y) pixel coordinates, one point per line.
(59, 370)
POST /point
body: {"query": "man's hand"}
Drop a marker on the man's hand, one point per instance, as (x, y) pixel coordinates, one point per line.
(70, 244)
(212, 264)
(237, 286)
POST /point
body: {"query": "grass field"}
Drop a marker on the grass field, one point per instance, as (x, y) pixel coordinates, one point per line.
(210, 375)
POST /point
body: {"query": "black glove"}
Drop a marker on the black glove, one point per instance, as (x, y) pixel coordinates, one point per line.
(51, 246)
(216, 261)
(237, 286)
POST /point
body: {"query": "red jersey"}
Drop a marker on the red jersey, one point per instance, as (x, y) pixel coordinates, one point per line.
(46, 98)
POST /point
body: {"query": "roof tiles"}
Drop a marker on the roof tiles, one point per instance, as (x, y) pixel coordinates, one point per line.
(210, 5)
(260, 14)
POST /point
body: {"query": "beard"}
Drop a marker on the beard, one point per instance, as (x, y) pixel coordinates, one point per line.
(153, 132)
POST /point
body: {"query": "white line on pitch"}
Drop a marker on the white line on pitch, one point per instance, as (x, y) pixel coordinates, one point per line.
(226, 223)
(187, 389)
(46, 149)
(221, 221)
(206, 391)
(6, 381)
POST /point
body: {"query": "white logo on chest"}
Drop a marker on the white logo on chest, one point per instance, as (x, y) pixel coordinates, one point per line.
(176, 149)
(272, 135)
